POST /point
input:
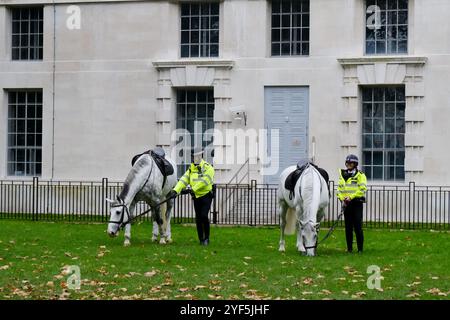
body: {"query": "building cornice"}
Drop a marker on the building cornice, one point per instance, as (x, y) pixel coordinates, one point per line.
(382, 59)
(215, 63)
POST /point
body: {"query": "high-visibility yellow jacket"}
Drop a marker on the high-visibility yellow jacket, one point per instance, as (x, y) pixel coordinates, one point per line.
(200, 178)
(353, 187)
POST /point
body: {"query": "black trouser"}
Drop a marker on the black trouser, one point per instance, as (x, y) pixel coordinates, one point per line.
(202, 206)
(353, 221)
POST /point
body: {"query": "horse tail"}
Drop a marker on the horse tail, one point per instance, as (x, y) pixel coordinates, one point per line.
(291, 221)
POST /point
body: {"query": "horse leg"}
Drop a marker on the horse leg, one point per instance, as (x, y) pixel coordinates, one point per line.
(155, 231)
(161, 227)
(126, 243)
(300, 246)
(282, 208)
(168, 216)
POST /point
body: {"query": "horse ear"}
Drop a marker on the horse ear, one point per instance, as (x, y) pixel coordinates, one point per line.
(118, 199)
(109, 200)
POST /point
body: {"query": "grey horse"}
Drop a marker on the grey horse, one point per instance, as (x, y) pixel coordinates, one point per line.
(144, 183)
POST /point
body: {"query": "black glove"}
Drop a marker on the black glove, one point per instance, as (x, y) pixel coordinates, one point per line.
(172, 194)
(188, 191)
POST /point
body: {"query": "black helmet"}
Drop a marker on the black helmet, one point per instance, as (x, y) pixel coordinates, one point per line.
(352, 159)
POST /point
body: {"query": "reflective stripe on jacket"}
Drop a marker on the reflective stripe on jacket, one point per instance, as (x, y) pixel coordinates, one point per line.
(200, 178)
(353, 187)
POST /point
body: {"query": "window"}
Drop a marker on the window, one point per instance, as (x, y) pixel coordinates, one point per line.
(387, 26)
(27, 33)
(383, 125)
(192, 106)
(200, 29)
(24, 133)
(290, 27)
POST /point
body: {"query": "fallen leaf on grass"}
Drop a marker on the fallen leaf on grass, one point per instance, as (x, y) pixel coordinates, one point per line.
(150, 273)
(4, 267)
(307, 281)
(183, 289)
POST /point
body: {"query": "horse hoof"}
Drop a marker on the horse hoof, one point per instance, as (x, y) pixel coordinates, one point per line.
(169, 240)
(155, 239)
(126, 244)
(282, 249)
(162, 241)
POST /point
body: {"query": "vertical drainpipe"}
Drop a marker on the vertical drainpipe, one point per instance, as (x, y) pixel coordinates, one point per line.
(53, 90)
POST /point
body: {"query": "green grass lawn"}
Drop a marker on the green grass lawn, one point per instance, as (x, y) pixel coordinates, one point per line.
(240, 263)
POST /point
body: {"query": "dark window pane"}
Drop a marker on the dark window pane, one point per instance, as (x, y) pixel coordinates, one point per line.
(367, 94)
(400, 126)
(367, 158)
(184, 51)
(195, 23)
(367, 126)
(403, 17)
(194, 51)
(402, 46)
(214, 8)
(389, 126)
(195, 10)
(30, 140)
(367, 141)
(184, 37)
(276, 49)
(184, 23)
(380, 47)
(389, 173)
(400, 138)
(286, 6)
(403, 4)
(305, 20)
(400, 158)
(286, 21)
(39, 140)
(215, 22)
(214, 50)
(305, 49)
(285, 49)
(285, 34)
(400, 94)
(392, 4)
(12, 155)
(400, 173)
(195, 37)
(392, 17)
(377, 141)
(276, 21)
(378, 110)
(389, 141)
(214, 36)
(377, 173)
(378, 95)
(370, 47)
(276, 35)
(389, 110)
(305, 34)
(389, 158)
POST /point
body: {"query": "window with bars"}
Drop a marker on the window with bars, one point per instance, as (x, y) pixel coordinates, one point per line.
(200, 29)
(386, 26)
(383, 145)
(290, 27)
(24, 133)
(195, 106)
(27, 33)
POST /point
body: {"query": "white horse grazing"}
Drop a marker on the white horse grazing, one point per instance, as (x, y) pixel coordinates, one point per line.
(305, 210)
(144, 183)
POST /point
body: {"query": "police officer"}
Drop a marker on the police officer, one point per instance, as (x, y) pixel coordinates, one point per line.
(200, 176)
(352, 192)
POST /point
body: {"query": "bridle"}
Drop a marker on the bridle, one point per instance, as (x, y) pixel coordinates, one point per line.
(317, 237)
(125, 209)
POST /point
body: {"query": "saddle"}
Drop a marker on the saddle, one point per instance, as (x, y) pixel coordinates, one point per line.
(293, 177)
(158, 156)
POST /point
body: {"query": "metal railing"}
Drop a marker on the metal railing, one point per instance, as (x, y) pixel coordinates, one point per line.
(397, 206)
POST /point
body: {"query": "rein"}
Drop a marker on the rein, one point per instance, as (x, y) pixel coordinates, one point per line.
(329, 231)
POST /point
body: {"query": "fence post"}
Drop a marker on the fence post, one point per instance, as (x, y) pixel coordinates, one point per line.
(104, 196)
(252, 195)
(215, 205)
(35, 197)
(412, 186)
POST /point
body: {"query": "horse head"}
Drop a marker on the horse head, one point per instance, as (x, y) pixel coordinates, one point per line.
(310, 231)
(119, 216)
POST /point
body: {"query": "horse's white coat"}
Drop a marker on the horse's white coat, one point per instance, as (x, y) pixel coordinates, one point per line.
(305, 210)
(144, 183)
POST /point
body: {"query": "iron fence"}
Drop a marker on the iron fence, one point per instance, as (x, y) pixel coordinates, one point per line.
(387, 206)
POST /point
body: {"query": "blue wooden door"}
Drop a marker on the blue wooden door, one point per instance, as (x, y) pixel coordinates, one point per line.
(286, 109)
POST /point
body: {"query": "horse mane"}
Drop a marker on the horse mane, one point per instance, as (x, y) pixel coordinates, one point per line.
(310, 194)
(130, 180)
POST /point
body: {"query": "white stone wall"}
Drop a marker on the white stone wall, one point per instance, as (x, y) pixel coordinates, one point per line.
(115, 81)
